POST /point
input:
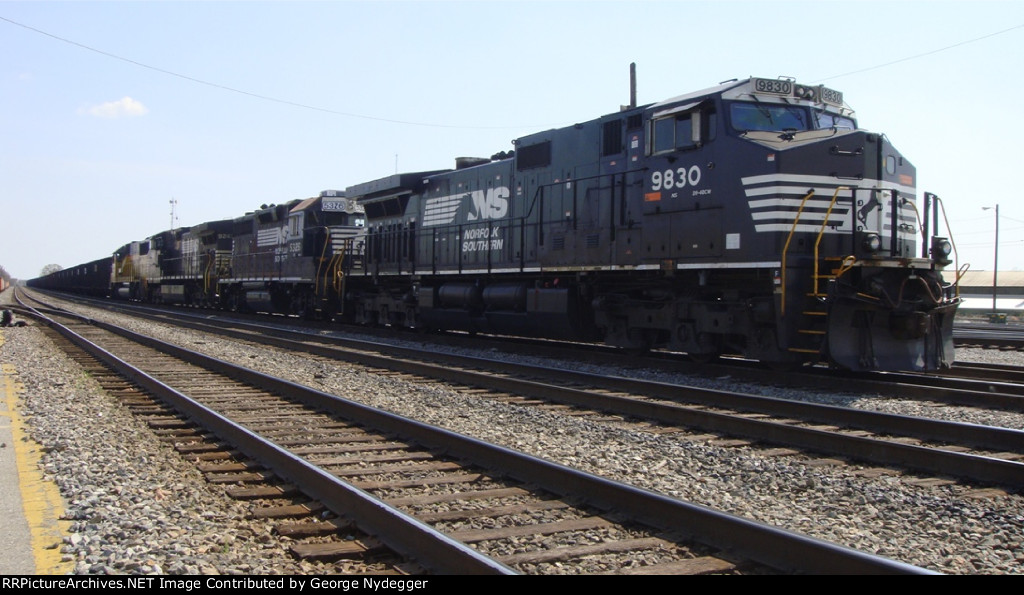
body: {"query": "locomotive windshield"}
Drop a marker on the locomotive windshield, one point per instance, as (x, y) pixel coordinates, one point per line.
(746, 117)
(768, 117)
(825, 119)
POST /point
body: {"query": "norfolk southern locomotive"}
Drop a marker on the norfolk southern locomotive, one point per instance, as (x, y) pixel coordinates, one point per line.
(753, 217)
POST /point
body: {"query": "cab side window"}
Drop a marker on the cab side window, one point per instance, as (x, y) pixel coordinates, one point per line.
(664, 134)
(682, 131)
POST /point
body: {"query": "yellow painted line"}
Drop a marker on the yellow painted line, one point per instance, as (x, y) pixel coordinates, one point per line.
(40, 497)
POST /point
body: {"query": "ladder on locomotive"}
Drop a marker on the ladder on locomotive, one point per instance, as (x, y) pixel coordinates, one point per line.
(814, 315)
(335, 261)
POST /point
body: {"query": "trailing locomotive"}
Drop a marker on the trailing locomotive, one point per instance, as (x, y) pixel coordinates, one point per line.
(284, 258)
(753, 217)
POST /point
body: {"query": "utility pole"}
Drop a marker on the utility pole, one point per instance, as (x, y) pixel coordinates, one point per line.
(995, 259)
(995, 263)
(174, 203)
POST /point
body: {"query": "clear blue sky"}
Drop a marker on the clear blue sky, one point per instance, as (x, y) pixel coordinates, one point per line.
(109, 110)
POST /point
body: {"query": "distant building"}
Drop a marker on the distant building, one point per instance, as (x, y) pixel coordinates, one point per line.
(976, 290)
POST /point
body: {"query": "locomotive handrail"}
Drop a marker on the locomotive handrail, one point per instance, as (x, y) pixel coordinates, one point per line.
(925, 240)
(846, 265)
(956, 256)
(522, 222)
(821, 232)
(960, 272)
(320, 263)
(610, 175)
(210, 262)
(894, 216)
(920, 224)
(336, 271)
(785, 247)
(338, 282)
(817, 241)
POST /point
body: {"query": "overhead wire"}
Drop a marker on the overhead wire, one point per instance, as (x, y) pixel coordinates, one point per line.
(258, 95)
(921, 55)
(427, 124)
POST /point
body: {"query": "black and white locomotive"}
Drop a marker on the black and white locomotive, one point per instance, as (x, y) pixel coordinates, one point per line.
(751, 218)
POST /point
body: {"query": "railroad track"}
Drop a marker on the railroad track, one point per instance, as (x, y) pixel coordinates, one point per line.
(976, 385)
(406, 466)
(992, 372)
(944, 449)
(1004, 336)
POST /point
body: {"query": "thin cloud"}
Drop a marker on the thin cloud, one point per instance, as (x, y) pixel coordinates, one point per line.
(122, 108)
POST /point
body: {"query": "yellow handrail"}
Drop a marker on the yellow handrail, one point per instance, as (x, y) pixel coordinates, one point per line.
(817, 242)
(320, 263)
(821, 233)
(339, 271)
(338, 268)
(785, 248)
(959, 274)
(846, 265)
(210, 261)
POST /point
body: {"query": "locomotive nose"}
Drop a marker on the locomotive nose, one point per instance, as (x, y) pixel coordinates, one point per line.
(859, 158)
(876, 193)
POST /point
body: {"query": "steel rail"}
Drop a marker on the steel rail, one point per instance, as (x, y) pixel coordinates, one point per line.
(772, 546)
(974, 393)
(401, 532)
(953, 382)
(932, 460)
(970, 393)
(1006, 395)
(1002, 373)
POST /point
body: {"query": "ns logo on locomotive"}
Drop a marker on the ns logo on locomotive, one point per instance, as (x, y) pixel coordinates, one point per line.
(754, 217)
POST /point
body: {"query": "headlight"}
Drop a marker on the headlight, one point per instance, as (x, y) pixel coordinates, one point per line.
(805, 92)
(942, 248)
(871, 242)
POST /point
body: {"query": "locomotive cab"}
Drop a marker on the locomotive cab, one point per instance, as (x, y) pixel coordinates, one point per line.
(783, 233)
(840, 205)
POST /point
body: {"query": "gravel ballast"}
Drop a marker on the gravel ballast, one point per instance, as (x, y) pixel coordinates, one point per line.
(135, 505)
